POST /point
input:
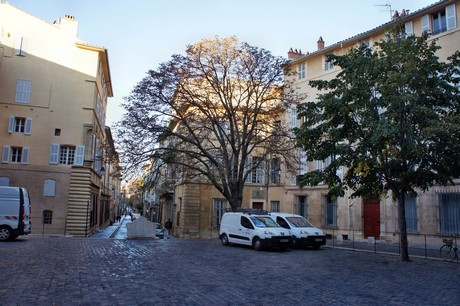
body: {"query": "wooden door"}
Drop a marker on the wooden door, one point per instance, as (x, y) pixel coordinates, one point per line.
(258, 205)
(372, 218)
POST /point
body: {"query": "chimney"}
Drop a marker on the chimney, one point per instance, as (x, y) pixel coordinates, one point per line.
(294, 54)
(68, 24)
(320, 43)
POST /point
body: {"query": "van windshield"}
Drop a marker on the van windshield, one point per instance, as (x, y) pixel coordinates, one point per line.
(298, 222)
(264, 221)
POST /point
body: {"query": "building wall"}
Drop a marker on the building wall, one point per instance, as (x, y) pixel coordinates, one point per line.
(194, 202)
(66, 86)
(350, 211)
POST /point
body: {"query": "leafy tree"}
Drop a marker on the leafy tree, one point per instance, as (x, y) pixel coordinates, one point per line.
(390, 117)
(206, 112)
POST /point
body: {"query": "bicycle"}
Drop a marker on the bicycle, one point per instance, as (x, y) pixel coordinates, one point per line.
(448, 251)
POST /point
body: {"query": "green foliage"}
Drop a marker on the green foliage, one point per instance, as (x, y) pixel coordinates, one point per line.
(390, 117)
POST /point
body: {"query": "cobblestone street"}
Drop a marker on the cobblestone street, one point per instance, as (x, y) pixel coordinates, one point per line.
(69, 271)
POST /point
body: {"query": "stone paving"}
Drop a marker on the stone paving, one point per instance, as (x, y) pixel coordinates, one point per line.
(38, 270)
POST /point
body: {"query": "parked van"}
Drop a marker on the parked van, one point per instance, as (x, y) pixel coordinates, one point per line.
(303, 232)
(254, 228)
(14, 212)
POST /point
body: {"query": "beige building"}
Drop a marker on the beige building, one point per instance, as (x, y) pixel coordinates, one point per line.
(54, 90)
(436, 212)
(196, 207)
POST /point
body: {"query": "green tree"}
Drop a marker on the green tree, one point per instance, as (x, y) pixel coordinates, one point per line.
(390, 117)
(207, 112)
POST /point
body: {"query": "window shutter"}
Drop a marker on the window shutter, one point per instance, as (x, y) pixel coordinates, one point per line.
(409, 28)
(28, 127)
(54, 154)
(11, 125)
(5, 154)
(425, 23)
(25, 155)
(450, 16)
(248, 166)
(79, 155)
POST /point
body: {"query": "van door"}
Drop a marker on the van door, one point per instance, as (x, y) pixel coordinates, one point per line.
(245, 231)
(25, 212)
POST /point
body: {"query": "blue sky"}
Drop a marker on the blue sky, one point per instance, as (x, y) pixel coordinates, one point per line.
(141, 34)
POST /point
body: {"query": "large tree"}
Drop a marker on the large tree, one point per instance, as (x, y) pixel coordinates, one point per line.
(207, 112)
(390, 117)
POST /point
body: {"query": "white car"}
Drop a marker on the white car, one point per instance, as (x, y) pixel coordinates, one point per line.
(254, 228)
(303, 232)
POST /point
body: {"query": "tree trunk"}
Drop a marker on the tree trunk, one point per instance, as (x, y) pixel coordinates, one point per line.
(403, 227)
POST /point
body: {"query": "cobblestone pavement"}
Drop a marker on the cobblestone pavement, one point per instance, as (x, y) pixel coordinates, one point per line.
(69, 271)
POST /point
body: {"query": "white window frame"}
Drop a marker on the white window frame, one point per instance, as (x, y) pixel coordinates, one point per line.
(23, 89)
(451, 18)
(26, 125)
(449, 209)
(301, 71)
(293, 116)
(275, 206)
(426, 23)
(327, 65)
(409, 28)
(219, 207)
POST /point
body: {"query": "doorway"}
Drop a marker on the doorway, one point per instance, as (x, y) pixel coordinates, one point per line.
(372, 218)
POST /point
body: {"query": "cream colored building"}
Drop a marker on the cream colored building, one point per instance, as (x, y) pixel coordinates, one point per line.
(436, 212)
(54, 90)
(198, 206)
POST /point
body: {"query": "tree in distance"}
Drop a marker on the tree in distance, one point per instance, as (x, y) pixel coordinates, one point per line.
(208, 111)
(390, 117)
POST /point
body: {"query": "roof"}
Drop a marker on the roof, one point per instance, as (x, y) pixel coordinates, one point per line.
(375, 30)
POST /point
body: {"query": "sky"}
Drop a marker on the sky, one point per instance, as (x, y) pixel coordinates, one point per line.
(141, 34)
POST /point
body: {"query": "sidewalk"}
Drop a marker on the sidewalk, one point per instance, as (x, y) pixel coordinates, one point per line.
(109, 230)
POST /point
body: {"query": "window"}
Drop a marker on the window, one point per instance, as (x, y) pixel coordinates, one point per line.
(20, 125)
(327, 64)
(409, 28)
(293, 116)
(57, 132)
(366, 42)
(440, 21)
(275, 206)
(23, 88)
(219, 208)
(49, 188)
(47, 216)
(275, 168)
(410, 204)
(15, 155)
(301, 71)
(66, 155)
(302, 162)
(329, 212)
(449, 213)
(257, 172)
(302, 207)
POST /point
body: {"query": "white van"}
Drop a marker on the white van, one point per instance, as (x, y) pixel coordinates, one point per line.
(254, 228)
(14, 212)
(303, 232)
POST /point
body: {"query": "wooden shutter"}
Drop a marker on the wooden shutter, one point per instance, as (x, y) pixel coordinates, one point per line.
(54, 154)
(28, 127)
(5, 154)
(11, 125)
(25, 155)
(79, 155)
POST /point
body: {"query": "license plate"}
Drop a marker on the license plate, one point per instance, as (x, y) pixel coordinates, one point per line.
(284, 240)
(318, 239)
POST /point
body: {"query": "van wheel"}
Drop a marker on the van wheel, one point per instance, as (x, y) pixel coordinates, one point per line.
(5, 233)
(224, 239)
(257, 244)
